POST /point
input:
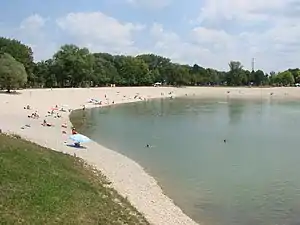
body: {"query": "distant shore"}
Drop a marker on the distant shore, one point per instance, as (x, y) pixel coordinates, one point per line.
(127, 177)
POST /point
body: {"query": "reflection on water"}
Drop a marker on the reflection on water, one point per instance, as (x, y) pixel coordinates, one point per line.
(235, 111)
(253, 178)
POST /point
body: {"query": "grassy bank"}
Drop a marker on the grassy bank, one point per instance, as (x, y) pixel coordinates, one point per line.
(40, 186)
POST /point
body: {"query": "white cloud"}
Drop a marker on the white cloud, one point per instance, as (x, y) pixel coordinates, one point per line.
(203, 46)
(204, 35)
(99, 31)
(170, 44)
(33, 22)
(274, 49)
(241, 29)
(224, 30)
(150, 4)
(32, 32)
(158, 32)
(243, 10)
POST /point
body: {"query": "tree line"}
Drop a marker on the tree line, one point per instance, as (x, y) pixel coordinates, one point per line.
(72, 66)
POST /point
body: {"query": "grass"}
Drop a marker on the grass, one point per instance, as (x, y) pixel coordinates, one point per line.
(41, 186)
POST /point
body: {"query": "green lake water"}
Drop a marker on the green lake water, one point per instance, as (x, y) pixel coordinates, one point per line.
(252, 179)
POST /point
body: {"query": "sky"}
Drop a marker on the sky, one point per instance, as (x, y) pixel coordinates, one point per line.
(207, 32)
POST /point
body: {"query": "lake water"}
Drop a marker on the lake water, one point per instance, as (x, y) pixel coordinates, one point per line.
(252, 179)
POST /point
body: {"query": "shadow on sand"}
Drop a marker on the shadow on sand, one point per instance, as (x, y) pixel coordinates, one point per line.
(10, 93)
(78, 147)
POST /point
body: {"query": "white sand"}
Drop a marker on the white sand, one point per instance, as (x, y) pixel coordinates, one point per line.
(127, 177)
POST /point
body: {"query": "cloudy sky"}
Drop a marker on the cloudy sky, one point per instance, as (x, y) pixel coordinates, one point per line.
(207, 32)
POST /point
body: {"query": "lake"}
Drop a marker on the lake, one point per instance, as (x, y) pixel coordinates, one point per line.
(223, 163)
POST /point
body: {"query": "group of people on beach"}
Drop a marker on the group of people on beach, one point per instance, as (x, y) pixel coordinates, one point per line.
(33, 115)
(54, 113)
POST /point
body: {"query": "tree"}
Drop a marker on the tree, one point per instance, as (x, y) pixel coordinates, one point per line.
(44, 72)
(157, 66)
(73, 66)
(132, 70)
(179, 75)
(285, 78)
(21, 53)
(236, 75)
(103, 71)
(12, 73)
(212, 76)
(235, 66)
(296, 74)
(259, 77)
(272, 78)
(198, 75)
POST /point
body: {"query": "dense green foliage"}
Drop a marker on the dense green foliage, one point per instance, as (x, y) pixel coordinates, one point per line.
(12, 72)
(20, 52)
(41, 186)
(73, 66)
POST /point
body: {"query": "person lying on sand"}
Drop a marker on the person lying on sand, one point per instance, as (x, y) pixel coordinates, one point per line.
(45, 124)
(27, 125)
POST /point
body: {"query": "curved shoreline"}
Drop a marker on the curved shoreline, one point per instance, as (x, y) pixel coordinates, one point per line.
(149, 189)
(128, 178)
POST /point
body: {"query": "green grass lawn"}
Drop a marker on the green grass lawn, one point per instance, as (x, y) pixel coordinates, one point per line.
(41, 186)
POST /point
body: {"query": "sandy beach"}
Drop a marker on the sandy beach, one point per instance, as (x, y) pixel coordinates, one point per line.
(126, 176)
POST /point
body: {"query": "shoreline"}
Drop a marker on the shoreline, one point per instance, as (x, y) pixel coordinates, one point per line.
(128, 178)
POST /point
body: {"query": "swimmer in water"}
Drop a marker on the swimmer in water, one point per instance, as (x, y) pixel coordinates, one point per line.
(148, 146)
(225, 140)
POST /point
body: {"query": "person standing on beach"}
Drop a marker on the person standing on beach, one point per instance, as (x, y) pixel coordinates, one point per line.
(74, 130)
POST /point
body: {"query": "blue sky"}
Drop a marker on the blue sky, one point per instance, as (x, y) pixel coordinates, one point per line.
(207, 32)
